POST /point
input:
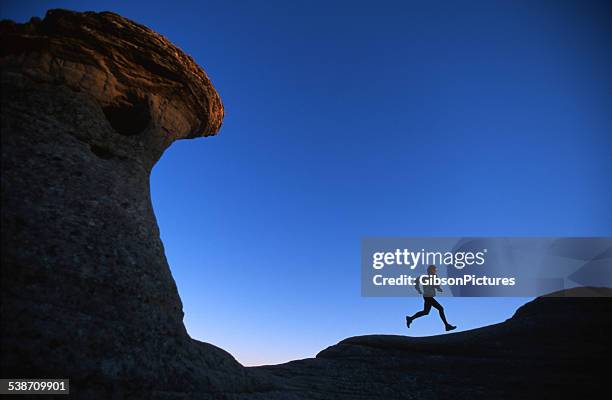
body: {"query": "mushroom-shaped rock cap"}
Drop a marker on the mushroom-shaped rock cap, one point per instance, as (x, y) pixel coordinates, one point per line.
(140, 79)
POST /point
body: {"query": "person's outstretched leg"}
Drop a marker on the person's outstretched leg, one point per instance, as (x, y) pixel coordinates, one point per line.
(424, 311)
(440, 309)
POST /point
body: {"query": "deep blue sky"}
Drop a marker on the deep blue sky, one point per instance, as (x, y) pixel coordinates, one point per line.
(348, 119)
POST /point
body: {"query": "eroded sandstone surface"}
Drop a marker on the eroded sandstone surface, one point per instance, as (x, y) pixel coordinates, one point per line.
(89, 103)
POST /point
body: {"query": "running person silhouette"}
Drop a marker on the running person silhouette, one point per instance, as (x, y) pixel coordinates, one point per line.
(429, 291)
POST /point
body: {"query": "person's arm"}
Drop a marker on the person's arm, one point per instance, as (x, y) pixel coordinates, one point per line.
(439, 289)
(417, 287)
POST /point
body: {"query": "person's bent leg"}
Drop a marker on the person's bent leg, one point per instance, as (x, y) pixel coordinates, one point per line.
(425, 310)
(440, 309)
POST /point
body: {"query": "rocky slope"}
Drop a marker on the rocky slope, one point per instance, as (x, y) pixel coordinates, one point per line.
(89, 103)
(553, 347)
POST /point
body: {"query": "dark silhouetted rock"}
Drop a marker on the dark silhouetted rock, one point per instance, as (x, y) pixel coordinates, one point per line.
(89, 103)
(553, 347)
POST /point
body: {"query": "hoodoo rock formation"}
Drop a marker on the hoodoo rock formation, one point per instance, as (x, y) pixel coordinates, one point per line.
(89, 103)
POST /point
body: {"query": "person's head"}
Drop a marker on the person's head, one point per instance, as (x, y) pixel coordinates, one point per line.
(431, 270)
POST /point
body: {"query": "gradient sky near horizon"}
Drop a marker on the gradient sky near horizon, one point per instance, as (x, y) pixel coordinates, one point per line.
(353, 119)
